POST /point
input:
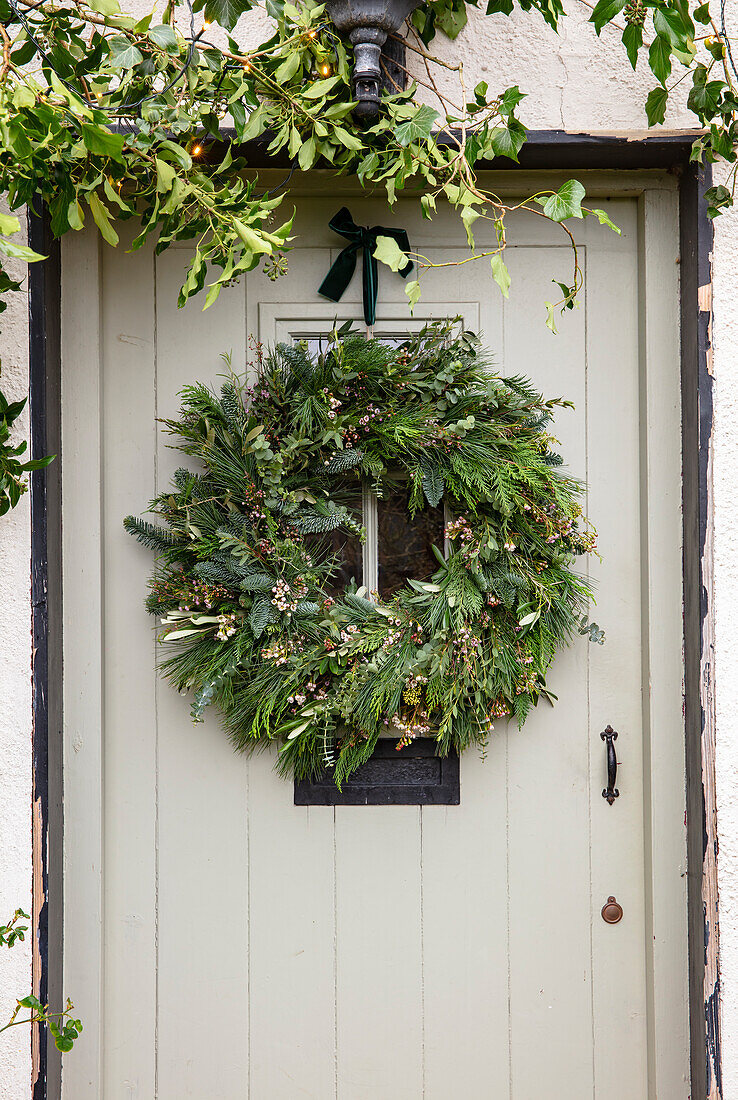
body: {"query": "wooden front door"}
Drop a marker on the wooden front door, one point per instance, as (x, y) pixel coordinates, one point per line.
(222, 943)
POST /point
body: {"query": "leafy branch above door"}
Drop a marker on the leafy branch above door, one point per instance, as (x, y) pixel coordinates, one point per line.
(107, 116)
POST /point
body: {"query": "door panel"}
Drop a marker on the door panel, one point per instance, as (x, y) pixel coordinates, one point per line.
(257, 949)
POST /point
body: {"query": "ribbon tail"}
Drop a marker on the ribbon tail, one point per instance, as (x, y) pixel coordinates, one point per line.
(370, 288)
(404, 242)
(340, 274)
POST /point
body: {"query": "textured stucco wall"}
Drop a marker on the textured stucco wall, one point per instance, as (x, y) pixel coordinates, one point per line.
(725, 335)
(576, 81)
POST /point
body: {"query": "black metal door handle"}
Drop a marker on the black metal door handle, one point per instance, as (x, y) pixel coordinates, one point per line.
(611, 792)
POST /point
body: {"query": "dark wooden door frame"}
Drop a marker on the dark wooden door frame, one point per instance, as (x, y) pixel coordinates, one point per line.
(544, 150)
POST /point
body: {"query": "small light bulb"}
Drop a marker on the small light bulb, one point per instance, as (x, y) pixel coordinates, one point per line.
(312, 34)
(325, 69)
(196, 150)
(246, 65)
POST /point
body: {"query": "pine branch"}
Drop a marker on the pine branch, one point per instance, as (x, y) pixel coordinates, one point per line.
(150, 535)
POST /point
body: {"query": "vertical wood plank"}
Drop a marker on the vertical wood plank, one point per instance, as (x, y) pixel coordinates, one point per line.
(291, 870)
(465, 934)
(83, 721)
(548, 783)
(664, 788)
(129, 677)
(378, 952)
(464, 859)
(202, 837)
(292, 982)
(617, 506)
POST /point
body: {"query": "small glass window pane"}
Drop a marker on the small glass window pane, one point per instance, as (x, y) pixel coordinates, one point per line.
(404, 544)
(346, 550)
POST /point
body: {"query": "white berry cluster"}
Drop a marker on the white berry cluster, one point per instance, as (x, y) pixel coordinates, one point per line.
(393, 634)
(281, 651)
(458, 529)
(285, 597)
(310, 692)
(227, 626)
(410, 728)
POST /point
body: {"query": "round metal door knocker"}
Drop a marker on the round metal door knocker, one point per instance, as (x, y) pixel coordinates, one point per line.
(612, 911)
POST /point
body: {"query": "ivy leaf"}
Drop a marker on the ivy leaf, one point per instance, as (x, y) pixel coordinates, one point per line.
(256, 125)
(510, 99)
(452, 19)
(417, 128)
(105, 7)
(507, 141)
(388, 252)
(176, 153)
(102, 142)
(412, 290)
(123, 54)
(668, 22)
(717, 198)
(656, 106)
(566, 203)
(348, 140)
(253, 240)
(165, 175)
(703, 98)
(23, 96)
(307, 154)
(226, 12)
(320, 88)
(369, 164)
(164, 37)
(75, 216)
(500, 273)
(8, 223)
(702, 14)
(19, 251)
(604, 219)
(604, 12)
(659, 58)
(103, 221)
(468, 216)
(633, 40)
(288, 68)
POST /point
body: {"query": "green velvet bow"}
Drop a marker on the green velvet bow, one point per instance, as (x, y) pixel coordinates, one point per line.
(342, 270)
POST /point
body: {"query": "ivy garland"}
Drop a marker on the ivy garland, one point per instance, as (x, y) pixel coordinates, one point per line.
(245, 561)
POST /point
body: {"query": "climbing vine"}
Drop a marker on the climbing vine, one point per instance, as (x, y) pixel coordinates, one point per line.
(107, 116)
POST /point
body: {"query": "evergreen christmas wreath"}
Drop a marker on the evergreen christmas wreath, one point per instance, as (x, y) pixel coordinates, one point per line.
(252, 546)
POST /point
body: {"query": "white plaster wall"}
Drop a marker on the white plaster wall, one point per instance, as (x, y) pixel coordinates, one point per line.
(575, 81)
(725, 335)
(15, 722)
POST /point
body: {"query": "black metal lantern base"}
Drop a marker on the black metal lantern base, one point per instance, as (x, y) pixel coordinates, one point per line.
(367, 24)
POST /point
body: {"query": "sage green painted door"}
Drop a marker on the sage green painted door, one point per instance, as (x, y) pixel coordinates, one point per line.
(221, 943)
